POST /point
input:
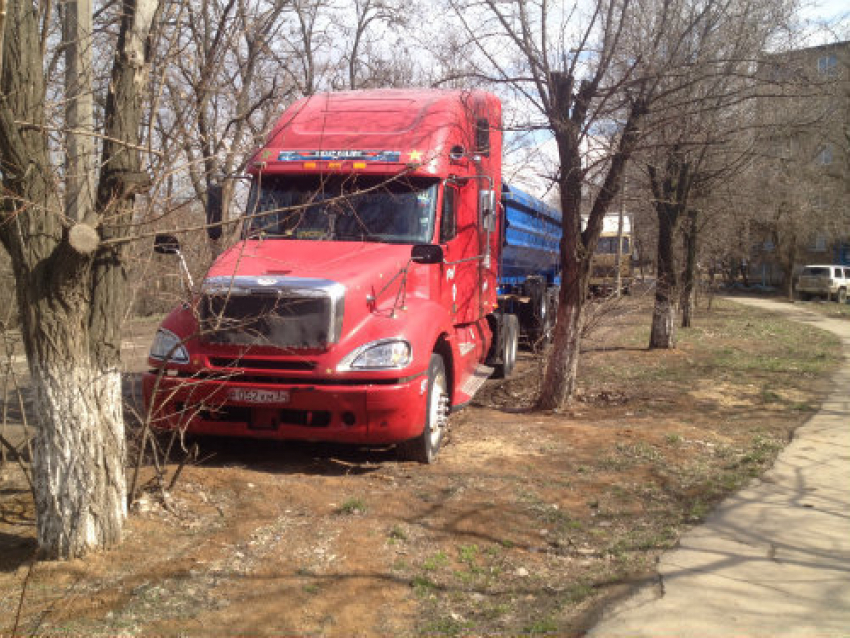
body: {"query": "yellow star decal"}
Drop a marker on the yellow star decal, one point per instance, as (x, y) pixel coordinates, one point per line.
(415, 157)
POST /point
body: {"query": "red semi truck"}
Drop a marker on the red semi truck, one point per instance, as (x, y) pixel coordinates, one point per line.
(360, 304)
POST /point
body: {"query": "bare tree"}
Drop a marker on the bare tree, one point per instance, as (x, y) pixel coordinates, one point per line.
(700, 130)
(600, 87)
(593, 88)
(71, 279)
(369, 16)
(221, 91)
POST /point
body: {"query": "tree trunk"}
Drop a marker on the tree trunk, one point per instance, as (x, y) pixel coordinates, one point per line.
(559, 381)
(70, 284)
(79, 109)
(568, 116)
(78, 451)
(671, 199)
(787, 266)
(663, 334)
(78, 456)
(688, 298)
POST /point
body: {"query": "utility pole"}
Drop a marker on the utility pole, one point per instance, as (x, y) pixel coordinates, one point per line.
(79, 112)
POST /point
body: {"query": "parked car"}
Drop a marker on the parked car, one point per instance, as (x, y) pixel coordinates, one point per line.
(829, 281)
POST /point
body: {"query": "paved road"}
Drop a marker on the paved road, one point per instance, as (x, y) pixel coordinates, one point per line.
(774, 559)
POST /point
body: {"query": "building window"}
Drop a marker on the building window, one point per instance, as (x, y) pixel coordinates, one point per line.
(819, 244)
(828, 65)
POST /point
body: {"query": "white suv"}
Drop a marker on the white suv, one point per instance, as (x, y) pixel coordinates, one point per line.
(831, 282)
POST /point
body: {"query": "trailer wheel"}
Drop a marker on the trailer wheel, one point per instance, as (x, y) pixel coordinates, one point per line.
(544, 321)
(508, 344)
(424, 448)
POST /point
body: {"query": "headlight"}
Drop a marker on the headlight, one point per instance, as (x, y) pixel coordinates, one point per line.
(387, 354)
(166, 345)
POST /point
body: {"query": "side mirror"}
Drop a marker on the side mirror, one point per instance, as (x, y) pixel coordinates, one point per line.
(427, 254)
(487, 209)
(214, 211)
(166, 244)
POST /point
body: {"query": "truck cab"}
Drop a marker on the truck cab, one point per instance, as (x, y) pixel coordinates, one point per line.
(360, 303)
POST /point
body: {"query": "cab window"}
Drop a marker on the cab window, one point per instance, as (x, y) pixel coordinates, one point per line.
(482, 137)
(448, 216)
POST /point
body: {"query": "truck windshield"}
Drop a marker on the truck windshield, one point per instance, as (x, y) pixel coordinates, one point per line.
(342, 208)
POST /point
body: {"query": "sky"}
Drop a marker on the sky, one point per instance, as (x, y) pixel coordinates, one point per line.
(827, 10)
(834, 13)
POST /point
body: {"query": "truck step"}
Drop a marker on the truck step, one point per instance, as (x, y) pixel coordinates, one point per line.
(477, 379)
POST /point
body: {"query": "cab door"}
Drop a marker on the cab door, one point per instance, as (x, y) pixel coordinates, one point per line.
(459, 235)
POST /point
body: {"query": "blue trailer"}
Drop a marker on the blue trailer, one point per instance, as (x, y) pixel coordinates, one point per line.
(529, 270)
(530, 246)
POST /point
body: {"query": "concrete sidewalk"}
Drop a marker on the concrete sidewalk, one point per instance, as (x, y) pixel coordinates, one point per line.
(774, 559)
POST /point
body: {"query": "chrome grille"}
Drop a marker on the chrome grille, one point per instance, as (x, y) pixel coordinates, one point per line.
(284, 312)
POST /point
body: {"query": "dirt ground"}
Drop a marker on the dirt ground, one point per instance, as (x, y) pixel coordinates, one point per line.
(527, 524)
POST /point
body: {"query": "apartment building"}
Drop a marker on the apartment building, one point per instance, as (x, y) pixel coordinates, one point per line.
(802, 170)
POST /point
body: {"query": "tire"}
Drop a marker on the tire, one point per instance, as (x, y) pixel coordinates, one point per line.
(425, 447)
(541, 334)
(508, 345)
(841, 297)
(804, 296)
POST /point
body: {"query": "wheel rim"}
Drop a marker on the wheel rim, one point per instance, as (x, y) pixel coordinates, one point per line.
(437, 411)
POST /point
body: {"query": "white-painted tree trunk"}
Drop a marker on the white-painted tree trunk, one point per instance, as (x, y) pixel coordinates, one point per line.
(71, 281)
(78, 464)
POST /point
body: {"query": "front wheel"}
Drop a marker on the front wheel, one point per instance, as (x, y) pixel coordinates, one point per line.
(424, 448)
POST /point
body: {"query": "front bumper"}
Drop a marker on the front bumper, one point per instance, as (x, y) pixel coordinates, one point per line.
(370, 413)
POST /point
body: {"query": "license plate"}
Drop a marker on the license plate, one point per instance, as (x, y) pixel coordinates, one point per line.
(252, 395)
